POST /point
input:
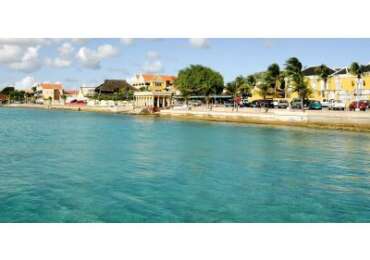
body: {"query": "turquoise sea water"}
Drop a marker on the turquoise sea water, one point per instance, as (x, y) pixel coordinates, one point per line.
(60, 166)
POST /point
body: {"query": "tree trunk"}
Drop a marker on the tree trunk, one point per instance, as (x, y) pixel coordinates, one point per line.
(302, 104)
(325, 82)
(264, 104)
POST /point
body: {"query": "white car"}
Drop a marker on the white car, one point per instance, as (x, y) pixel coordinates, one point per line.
(337, 105)
(326, 102)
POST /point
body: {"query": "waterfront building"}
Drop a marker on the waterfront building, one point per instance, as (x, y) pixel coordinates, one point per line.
(347, 87)
(113, 86)
(153, 99)
(154, 90)
(341, 85)
(86, 92)
(153, 82)
(52, 92)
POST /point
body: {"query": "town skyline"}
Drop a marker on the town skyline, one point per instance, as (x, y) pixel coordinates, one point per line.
(75, 62)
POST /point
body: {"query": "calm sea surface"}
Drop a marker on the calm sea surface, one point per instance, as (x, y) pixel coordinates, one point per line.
(60, 166)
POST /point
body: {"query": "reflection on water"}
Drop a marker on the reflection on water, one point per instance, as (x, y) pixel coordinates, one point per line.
(84, 167)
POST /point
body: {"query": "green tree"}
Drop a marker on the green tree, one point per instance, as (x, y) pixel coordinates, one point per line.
(324, 73)
(7, 90)
(251, 81)
(293, 69)
(266, 86)
(275, 76)
(199, 80)
(237, 87)
(356, 70)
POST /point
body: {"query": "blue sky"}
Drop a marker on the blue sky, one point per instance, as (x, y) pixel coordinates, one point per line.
(89, 61)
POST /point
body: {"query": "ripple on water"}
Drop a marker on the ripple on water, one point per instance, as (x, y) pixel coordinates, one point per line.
(85, 167)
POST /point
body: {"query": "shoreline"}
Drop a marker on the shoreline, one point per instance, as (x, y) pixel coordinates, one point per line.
(348, 121)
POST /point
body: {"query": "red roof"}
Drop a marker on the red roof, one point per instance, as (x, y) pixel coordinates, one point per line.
(3, 97)
(51, 86)
(71, 92)
(150, 77)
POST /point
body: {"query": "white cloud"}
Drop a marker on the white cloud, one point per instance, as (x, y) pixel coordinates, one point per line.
(106, 51)
(127, 41)
(153, 63)
(29, 61)
(10, 53)
(25, 83)
(91, 58)
(64, 60)
(65, 50)
(58, 62)
(199, 42)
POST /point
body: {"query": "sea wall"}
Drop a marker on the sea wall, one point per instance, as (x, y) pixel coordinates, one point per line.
(325, 119)
(346, 120)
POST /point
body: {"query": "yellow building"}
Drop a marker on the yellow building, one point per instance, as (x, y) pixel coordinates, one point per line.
(153, 90)
(49, 91)
(341, 85)
(152, 82)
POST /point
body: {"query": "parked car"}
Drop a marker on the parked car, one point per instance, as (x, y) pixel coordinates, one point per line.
(314, 105)
(261, 103)
(244, 102)
(281, 103)
(254, 103)
(337, 105)
(326, 102)
(296, 103)
(195, 103)
(362, 105)
(228, 104)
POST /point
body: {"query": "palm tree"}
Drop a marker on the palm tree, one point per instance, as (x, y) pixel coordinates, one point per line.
(266, 86)
(323, 72)
(293, 66)
(293, 69)
(275, 74)
(357, 70)
(232, 89)
(251, 81)
(236, 87)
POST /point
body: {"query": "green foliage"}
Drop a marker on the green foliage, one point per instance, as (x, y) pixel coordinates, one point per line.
(273, 77)
(293, 69)
(118, 96)
(266, 85)
(274, 70)
(199, 80)
(301, 87)
(7, 90)
(323, 72)
(356, 69)
(13, 94)
(251, 81)
(239, 86)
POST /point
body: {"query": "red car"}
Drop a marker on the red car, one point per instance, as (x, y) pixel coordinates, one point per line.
(362, 105)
